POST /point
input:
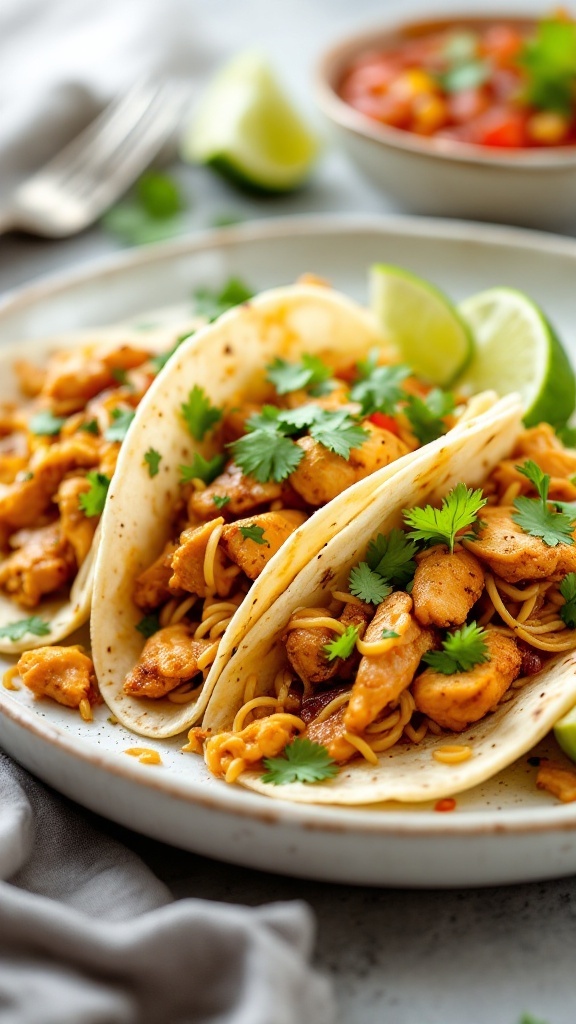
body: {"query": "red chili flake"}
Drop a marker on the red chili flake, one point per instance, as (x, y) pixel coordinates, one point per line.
(448, 804)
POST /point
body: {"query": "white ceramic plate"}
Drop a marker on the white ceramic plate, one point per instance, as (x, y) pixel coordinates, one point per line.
(504, 831)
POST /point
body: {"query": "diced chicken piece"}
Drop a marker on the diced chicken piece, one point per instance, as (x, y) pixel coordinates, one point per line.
(109, 453)
(381, 678)
(30, 377)
(446, 586)
(25, 501)
(330, 734)
(379, 449)
(63, 673)
(305, 647)
(557, 780)
(42, 564)
(321, 475)
(545, 449)
(76, 528)
(244, 492)
(511, 553)
(10, 466)
(458, 700)
(125, 357)
(336, 399)
(188, 563)
(152, 586)
(265, 737)
(169, 657)
(251, 555)
(74, 376)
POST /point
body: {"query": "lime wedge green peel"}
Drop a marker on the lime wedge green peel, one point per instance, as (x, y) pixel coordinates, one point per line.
(421, 322)
(517, 349)
(565, 734)
(246, 128)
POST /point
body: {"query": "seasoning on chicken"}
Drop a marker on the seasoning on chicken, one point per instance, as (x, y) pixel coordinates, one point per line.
(381, 678)
(330, 734)
(244, 494)
(75, 527)
(455, 701)
(305, 647)
(63, 673)
(188, 571)
(169, 658)
(73, 376)
(509, 551)
(446, 586)
(42, 563)
(152, 586)
(253, 555)
(265, 737)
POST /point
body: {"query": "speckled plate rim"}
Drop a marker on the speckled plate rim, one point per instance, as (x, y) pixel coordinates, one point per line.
(231, 800)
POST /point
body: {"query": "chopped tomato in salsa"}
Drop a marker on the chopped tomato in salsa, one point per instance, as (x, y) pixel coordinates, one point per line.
(506, 86)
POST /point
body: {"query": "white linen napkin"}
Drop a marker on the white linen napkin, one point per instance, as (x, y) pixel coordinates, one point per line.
(88, 935)
(61, 61)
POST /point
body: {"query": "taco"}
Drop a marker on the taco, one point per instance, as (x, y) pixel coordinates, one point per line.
(258, 444)
(427, 646)
(64, 410)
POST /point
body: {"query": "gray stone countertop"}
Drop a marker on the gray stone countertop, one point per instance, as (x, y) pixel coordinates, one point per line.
(395, 956)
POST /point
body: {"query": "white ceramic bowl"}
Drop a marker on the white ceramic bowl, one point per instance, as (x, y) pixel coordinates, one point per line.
(533, 187)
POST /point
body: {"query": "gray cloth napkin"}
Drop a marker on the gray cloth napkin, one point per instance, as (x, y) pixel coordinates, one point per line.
(88, 935)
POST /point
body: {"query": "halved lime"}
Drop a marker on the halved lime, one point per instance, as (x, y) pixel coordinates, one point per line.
(565, 734)
(421, 322)
(517, 349)
(246, 127)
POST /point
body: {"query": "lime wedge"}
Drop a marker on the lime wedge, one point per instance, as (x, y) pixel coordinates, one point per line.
(417, 318)
(565, 734)
(517, 349)
(246, 128)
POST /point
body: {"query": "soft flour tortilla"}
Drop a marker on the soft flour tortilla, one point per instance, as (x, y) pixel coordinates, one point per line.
(66, 613)
(404, 773)
(224, 359)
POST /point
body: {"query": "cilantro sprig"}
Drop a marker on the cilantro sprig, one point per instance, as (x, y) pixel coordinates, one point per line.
(392, 557)
(461, 651)
(149, 625)
(202, 469)
(152, 459)
(342, 646)
(255, 533)
(549, 61)
(45, 424)
(536, 516)
(310, 373)
(378, 387)
(199, 414)
(568, 591)
(368, 585)
(302, 761)
(93, 500)
(212, 303)
(459, 509)
(121, 420)
(426, 415)
(15, 631)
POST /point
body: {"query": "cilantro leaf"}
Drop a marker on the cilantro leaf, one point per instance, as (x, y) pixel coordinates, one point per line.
(122, 418)
(461, 650)
(152, 458)
(549, 60)
(426, 414)
(90, 427)
(266, 454)
(255, 533)
(45, 424)
(212, 304)
(303, 761)
(310, 372)
(159, 195)
(92, 501)
(459, 509)
(199, 414)
(152, 211)
(220, 500)
(568, 591)
(536, 517)
(366, 584)
(149, 625)
(120, 375)
(378, 389)
(202, 469)
(17, 630)
(389, 634)
(342, 646)
(392, 557)
(338, 432)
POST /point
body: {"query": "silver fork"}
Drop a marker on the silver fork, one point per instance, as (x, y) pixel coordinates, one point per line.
(99, 165)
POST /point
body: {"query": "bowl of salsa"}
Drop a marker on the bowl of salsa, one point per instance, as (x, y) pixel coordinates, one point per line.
(469, 116)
